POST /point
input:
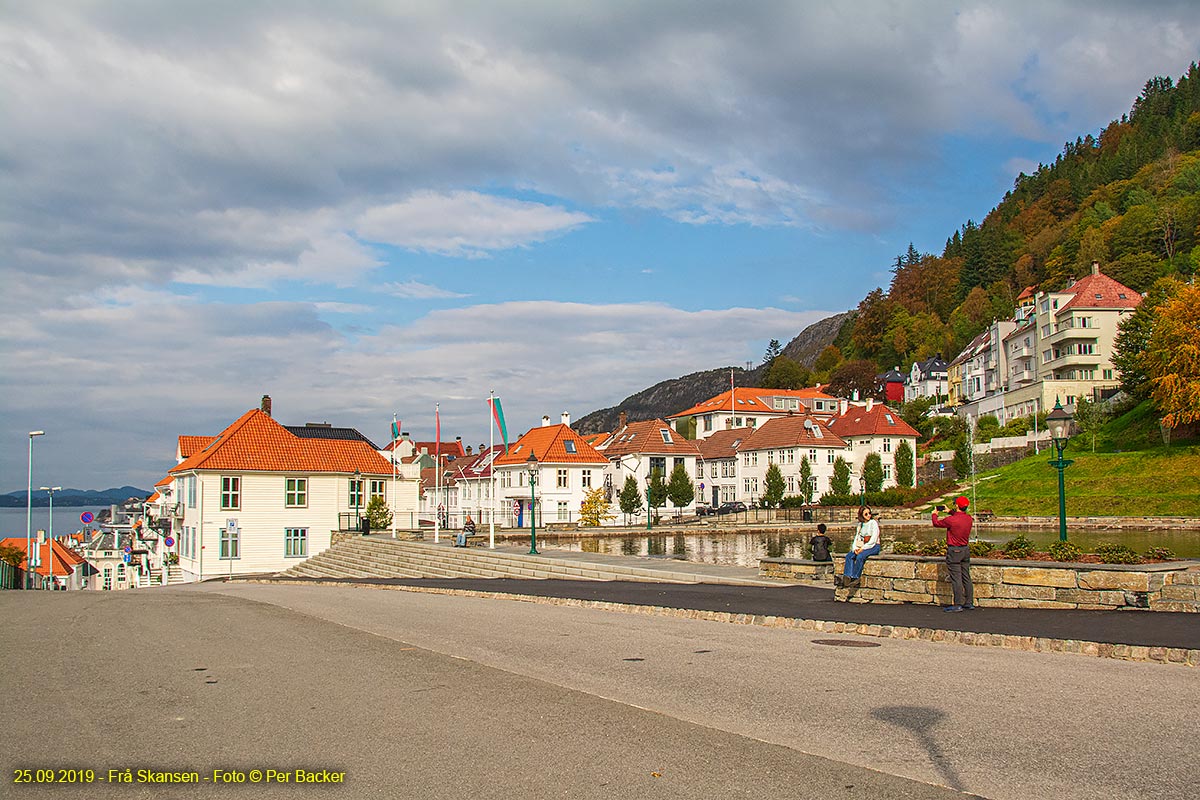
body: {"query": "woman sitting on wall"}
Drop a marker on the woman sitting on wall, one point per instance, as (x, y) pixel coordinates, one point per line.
(866, 544)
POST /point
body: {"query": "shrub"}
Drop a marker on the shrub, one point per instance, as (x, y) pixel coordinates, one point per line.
(981, 548)
(903, 548)
(1161, 554)
(1117, 554)
(1065, 551)
(1019, 547)
(935, 548)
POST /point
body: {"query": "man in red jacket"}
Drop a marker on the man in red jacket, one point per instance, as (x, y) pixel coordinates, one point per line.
(958, 553)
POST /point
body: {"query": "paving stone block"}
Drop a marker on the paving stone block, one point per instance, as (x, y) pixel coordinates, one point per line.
(1125, 581)
(1036, 576)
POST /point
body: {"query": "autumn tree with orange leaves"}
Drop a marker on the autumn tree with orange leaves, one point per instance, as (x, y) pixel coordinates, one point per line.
(1172, 358)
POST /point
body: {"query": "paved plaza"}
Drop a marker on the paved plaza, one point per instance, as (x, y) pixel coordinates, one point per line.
(431, 696)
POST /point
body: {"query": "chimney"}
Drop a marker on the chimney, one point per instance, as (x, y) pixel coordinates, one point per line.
(566, 418)
(266, 404)
(622, 420)
(870, 403)
(843, 406)
(482, 447)
(545, 420)
(1095, 267)
(469, 450)
(404, 435)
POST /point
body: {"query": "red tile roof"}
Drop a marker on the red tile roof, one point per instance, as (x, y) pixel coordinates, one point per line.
(190, 445)
(257, 443)
(550, 444)
(799, 430)
(752, 400)
(65, 559)
(152, 498)
(653, 436)
(167, 481)
(452, 448)
(1100, 291)
(723, 444)
(879, 421)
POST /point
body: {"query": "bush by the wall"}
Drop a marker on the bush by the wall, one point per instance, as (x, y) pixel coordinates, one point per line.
(1065, 551)
(1019, 547)
(1117, 554)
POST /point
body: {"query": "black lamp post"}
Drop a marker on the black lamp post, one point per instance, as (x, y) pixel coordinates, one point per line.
(862, 490)
(532, 464)
(1059, 421)
(357, 498)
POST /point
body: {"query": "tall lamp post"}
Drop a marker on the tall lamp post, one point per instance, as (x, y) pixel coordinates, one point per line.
(29, 514)
(357, 498)
(649, 483)
(532, 465)
(50, 536)
(1058, 421)
(862, 491)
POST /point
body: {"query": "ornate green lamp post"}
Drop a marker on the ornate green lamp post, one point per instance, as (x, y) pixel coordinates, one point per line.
(357, 498)
(532, 464)
(1059, 422)
(649, 483)
(862, 490)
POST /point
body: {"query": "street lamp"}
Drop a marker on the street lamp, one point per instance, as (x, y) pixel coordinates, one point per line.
(357, 498)
(50, 535)
(532, 464)
(29, 513)
(862, 490)
(649, 484)
(1059, 421)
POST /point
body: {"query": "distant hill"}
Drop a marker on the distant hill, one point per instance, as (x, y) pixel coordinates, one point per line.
(674, 395)
(73, 497)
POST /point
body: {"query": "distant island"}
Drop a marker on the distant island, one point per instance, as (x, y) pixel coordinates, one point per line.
(73, 497)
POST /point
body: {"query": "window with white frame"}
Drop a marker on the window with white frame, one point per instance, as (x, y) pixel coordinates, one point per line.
(354, 498)
(746, 459)
(378, 488)
(295, 492)
(712, 469)
(830, 457)
(564, 513)
(561, 479)
(754, 458)
(231, 543)
(887, 472)
(887, 445)
(108, 578)
(585, 478)
(295, 542)
(231, 493)
(812, 455)
(191, 491)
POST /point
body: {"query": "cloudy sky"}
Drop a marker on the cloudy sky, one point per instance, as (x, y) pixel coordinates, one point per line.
(364, 208)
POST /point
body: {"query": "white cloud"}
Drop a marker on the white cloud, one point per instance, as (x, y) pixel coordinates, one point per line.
(415, 290)
(465, 223)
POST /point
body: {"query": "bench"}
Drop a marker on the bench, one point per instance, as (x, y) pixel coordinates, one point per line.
(985, 515)
(472, 538)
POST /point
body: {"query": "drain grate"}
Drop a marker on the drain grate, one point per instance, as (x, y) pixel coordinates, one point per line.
(845, 643)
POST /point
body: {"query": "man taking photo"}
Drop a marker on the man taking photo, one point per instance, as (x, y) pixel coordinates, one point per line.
(958, 552)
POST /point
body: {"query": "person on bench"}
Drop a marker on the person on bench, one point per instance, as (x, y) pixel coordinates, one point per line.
(468, 529)
(866, 544)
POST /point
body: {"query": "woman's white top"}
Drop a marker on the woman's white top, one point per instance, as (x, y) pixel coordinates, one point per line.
(866, 536)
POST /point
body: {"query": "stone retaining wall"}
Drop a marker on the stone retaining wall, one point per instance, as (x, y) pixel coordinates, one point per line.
(1173, 586)
(795, 569)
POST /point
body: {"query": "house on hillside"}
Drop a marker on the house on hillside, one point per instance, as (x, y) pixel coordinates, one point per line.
(926, 378)
(55, 566)
(565, 467)
(260, 495)
(639, 449)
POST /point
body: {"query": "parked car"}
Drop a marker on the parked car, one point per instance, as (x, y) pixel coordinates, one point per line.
(703, 510)
(731, 508)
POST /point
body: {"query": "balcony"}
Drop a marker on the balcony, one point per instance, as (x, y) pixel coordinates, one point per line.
(1065, 334)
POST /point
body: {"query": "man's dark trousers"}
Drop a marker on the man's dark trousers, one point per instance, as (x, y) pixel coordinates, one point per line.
(958, 562)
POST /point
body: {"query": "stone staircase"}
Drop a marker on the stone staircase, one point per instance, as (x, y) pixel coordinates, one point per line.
(367, 557)
(174, 575)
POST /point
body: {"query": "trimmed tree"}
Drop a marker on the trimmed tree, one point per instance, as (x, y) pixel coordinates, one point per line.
(773, 487)
(378, 515)
(657, 491)
(840, 485)
(962, 459)
(873, 472)
(680, 489)
(13, 556)
(904, 464)
(630, 498)
(1090, 418)
(806, 489)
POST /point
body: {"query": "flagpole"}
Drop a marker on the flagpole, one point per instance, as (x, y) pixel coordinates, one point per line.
(437, 470)
(395, 489)
(491, 472)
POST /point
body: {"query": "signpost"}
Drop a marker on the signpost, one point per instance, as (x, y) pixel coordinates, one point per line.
(86, 518)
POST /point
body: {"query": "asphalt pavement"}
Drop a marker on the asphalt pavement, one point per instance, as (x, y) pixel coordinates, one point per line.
(1148, 628)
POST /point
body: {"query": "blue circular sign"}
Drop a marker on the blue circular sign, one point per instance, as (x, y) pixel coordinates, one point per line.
(169, 542)
(128, 549)
(86, 517)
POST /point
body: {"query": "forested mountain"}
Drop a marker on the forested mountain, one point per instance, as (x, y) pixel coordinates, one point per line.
(1129, 199)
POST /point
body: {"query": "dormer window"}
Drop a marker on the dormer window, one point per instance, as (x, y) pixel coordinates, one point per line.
(666, 436)
(570, 445)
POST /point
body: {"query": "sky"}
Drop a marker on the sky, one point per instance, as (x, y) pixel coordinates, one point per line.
(366, 208)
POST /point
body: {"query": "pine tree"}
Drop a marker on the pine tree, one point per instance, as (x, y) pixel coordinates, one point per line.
(806, 489)
(773, 487)
(630, 498)
(840, 484)
(680, 489)
(904, 464)
(872, 472)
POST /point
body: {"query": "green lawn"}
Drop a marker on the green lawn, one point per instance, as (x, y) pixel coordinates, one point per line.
(1161, 482)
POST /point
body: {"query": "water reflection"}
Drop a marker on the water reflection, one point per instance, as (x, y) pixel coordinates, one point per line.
(745, 549)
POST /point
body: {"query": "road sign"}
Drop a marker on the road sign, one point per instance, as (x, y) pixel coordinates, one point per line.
(126, 557)
(516, 507)
(86, 517)
(170, 542)
(231, 525)
(702, 487)
(128, 549)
